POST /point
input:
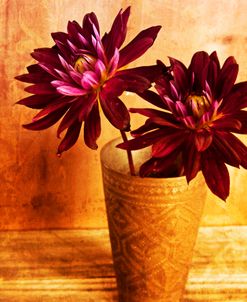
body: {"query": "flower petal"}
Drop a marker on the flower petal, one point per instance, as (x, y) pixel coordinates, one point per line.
(46, 121)
(222, 145)
(241, 116)
(236, 99)
(148, 126)
(153, 98)
(168, 144)
(233, 146)
(48, 55)
(151, 73)
(71, 90)
(226, 123)
(115, 111)
(138, 46)
(117, 34)
(92, 128)
(227, 77)
(142, 141)
(203, 140)
(191, 159)
(89, 80)
(70, 138)
(216, 175)
(114, 87)
(88, 21)
(168, 166)
(133, 82)
(199, 67)
(213, 70)
(78, 111)
(41, 89)
(38, 101)
(180, 74)
(157, 116)
(52, 107)
(37, 77)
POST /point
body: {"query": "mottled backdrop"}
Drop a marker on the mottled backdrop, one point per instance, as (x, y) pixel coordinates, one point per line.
(39, 190)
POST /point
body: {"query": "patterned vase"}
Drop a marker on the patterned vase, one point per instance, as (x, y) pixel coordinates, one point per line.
(153, 225)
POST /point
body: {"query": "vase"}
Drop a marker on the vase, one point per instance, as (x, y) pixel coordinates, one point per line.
(153, 225)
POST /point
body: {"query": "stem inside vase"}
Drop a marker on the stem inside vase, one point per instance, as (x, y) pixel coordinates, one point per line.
(130, 158)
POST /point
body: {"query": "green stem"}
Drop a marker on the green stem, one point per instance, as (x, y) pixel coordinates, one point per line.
(130, 158)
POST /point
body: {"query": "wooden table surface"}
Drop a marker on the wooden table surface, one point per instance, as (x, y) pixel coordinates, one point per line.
(75, 265)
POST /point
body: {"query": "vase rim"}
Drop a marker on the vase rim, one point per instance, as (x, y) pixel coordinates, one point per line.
(107, 164)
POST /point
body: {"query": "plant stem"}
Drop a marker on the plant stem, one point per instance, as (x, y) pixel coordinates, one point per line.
(130, 158)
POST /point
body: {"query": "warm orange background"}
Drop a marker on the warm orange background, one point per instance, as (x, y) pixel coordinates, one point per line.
(39, 190)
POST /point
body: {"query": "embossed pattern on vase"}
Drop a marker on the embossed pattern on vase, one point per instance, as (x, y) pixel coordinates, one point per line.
(153, 225)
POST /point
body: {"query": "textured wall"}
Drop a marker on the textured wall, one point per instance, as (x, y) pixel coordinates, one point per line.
(39, 190)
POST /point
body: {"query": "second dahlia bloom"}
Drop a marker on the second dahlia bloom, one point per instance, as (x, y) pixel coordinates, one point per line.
(201, 108)
(83, 71)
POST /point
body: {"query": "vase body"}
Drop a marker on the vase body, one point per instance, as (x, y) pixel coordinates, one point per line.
(153, 225)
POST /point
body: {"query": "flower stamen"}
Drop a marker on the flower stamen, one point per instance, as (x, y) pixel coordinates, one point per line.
(82, 62)
(199, 104)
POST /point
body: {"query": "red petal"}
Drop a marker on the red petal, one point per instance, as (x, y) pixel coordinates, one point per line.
(225, 148)
(116, 36)
(167, 144)
(214, 58)
(71, 90)
(142, 141)
(236, 99)
(199, 67)
(227, 77)
(203, 140)
(148, 126)
(54, 106)
(233, 146)
(191, 159)
(38, 101)
(88, 20)
(241, 116)
(115, 111)
(161, 167)
(138, 46)
(153, 98)
(34, 68)
(78, 111)
(46, 55)
(114, 87)
(46, 121)
(70, 138)
(60, 36)
(133, 82)
(41, 89)
(180, 74)
(73, 29)
(38, 77)
(216, 175)
(151, 73)
(156, 116)
(92, 127)
(227, 123)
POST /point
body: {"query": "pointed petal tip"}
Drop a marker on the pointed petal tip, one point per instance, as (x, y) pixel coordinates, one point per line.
(93, 147)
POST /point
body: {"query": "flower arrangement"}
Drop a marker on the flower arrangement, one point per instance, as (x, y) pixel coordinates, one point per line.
(199, 106)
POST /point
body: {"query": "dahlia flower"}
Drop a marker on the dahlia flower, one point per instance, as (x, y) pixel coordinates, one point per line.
(201, 108)
(83, 72)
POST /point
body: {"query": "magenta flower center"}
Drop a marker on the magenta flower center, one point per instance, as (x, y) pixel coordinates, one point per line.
(199, 104)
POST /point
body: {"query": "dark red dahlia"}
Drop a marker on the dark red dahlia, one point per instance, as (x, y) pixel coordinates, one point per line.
(82, 71)
(201, 109)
